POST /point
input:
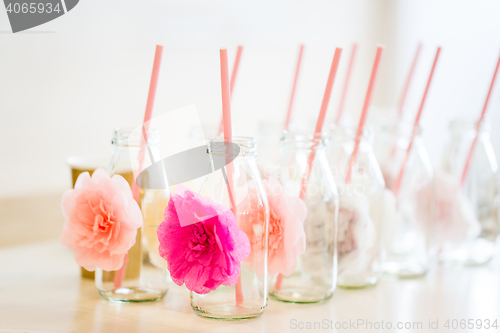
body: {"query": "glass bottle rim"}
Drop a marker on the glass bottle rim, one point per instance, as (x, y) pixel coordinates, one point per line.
(305, 140)
(402, 129)
(247, 144)
(342, 134)
(130, 137)
(461, 125)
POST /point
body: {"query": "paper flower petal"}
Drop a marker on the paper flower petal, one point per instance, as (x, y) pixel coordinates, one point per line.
(287, 237)
(101, 219)
(206, 254)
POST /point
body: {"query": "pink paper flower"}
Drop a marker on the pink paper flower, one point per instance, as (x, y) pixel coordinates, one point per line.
(356, 230)
(206, 254)
(456, 220)
(346, 241)
(287, 238)
(100, 220)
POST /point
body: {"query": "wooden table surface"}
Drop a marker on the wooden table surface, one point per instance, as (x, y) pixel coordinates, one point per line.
(41, 291)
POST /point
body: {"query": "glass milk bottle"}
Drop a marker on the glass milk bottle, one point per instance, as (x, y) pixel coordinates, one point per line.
(144, 274)
(361, 209)
(409, 237)
(315, 275)
(476, 244)
(268, 140)
(247, 199)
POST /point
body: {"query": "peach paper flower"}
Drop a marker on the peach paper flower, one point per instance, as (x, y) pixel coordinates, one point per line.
(287, 238)
(100, 220)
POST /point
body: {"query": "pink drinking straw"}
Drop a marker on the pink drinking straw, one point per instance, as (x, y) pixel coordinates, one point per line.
(295, 79)
(346, 84)
(317, 132)
(226, 113)
(408, 81)
(364, 112)
(405, 92)
(478, 126)
(120, 274)
(228, 137)
(321, 116)
(397, 184)
(235, 67)
(233, 79)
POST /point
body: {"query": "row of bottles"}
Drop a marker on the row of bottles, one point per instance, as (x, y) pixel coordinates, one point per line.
(350, 226)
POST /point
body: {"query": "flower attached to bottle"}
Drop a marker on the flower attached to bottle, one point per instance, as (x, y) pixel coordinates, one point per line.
(456, 220)
(206, 254)
(356, 230)
(101, 219)
(287, 238)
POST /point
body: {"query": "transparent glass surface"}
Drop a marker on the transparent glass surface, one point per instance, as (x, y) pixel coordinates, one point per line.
(409, 237)
(268, 141)
(144, 276)
(361, 209)
(481, 188)
(248, 298)
(314, 279)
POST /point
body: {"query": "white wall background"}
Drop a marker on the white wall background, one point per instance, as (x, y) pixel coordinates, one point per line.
(66, 84)
(469, 34)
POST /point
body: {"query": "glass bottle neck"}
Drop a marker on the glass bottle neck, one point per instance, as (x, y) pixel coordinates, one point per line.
(302, 142)
(402, 131)
(460, 127)
(246, 146)
(341, 135)
(133, 138)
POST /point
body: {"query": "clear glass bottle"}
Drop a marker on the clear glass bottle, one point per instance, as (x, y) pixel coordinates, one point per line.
(268, 141)
(409, 237)
(361, 209)
(145, 276)
(481, 188)
(315, 275)
(248, 298)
